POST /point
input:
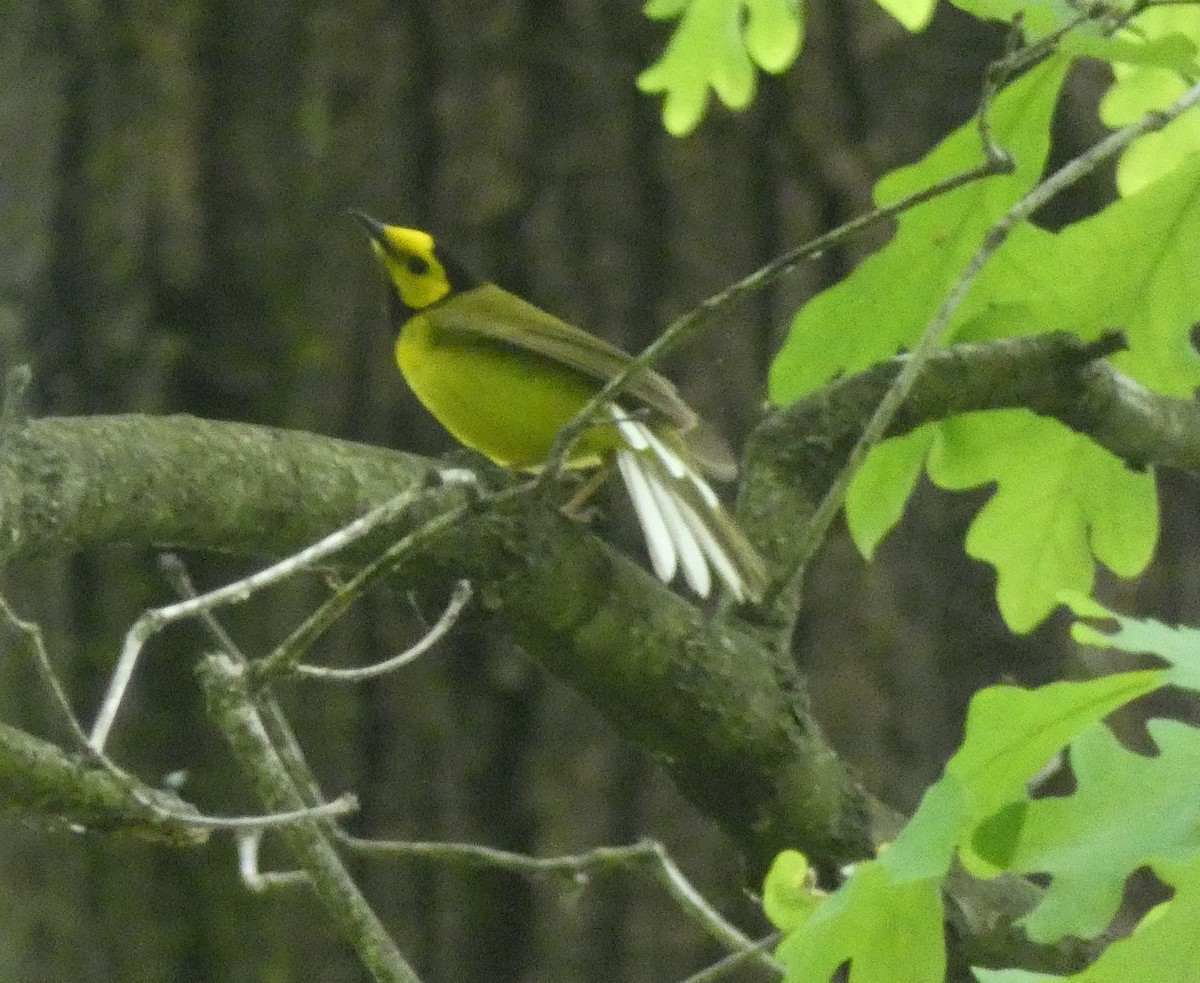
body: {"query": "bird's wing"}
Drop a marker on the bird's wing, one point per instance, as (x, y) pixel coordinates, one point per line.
(493, 313)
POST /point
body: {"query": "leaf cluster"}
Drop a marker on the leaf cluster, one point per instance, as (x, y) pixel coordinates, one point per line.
(1060, 506)
(1127, 811)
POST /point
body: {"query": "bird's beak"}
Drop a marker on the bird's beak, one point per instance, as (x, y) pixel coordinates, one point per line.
(375, 229)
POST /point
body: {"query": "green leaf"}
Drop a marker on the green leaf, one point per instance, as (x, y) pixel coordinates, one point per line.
(1012, 733)
(882, 306)
(915, 15)
(698, 58)
(1178, 646)
(1058, 494)
(1175, 52)
(926, 845)
(664, 9)
(994, 841)
(1012, 976)
(882, 486)
(1098, 274)
(887, 919)
(1060, 499)
(1164, 948)
(1151, 79)
(774, 33)
(789, 891)
(1150, 292)
(880, 491)
(1038, 17)
(712, 48)
(891, 932)
(1127, 811)
(1055, 487)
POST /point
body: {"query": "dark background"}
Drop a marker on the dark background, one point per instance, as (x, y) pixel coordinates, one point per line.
(173, 178)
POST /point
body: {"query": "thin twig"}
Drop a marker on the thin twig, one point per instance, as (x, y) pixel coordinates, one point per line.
(287, 654)
(815, 532)
(282, 735)
(577, 868)
(454, 608)
(33, 634)
(668, 874)
(998, 72)
(255, 879)
(155, 619)
(173, 568)
(343, 805)
(735, 959)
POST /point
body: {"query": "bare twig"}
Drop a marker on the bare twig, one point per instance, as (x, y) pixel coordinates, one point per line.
(173, 568)
(255, 879)
(994, 79)
(32, 633)
(454, 608)
(287, 654)
(282, 736)
(735, 959)
(577, 869)
(343, 805)
(155, 619)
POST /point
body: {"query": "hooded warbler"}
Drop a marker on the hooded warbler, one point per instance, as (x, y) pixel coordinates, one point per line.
(503, 377)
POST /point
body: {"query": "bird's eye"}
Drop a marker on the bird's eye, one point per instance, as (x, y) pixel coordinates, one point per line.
(416, 265)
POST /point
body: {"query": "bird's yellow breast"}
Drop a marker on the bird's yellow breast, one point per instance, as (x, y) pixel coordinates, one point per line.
(506, 403)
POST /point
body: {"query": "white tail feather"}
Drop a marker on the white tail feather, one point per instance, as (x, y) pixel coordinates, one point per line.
(654, 528)
(675, 467)
(632, 432)
(705, 490)
(721, 563)
(691, 554)
(670, 500)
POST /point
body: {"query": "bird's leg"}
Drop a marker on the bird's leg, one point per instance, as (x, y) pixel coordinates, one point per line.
(572, 509)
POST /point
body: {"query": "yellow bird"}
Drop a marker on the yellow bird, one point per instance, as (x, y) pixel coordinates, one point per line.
(504, 377)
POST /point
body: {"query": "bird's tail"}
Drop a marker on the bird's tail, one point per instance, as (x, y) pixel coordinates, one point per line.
(681, 517)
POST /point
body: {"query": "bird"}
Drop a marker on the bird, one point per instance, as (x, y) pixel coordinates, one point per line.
(504, 377)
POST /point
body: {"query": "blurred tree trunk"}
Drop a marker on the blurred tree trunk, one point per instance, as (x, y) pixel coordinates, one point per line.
(173, 177)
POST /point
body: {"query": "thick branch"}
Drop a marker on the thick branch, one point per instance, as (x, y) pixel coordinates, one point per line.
(1055, 375)
(39, 779)
(730, 725)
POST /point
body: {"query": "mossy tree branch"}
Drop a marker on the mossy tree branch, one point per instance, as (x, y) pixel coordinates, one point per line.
(39, 780)
(718, 702)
